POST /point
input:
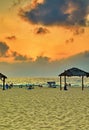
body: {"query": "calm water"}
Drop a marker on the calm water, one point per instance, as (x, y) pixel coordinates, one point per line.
(74, 81)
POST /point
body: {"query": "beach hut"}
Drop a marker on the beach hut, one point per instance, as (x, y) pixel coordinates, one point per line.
(73, 72)
(3, 77)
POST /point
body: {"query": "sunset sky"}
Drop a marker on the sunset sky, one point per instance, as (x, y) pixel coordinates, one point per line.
(43, 37)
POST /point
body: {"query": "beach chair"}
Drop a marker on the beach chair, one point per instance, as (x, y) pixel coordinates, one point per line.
(51, 84)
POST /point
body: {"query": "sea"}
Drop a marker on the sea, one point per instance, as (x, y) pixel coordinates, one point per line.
(36, 81)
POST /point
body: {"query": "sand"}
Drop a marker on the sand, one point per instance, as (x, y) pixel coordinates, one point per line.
(44, 109)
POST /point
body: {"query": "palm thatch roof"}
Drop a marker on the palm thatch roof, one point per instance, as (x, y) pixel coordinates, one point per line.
(2, 76)
(74, 72)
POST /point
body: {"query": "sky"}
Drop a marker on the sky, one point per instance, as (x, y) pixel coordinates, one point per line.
(43, 37)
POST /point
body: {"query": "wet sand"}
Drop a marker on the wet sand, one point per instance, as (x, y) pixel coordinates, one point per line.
(44, 109)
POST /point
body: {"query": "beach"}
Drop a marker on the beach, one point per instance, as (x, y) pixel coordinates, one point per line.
(44, 109)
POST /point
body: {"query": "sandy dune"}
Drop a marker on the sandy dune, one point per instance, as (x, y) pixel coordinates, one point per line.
(44, 109)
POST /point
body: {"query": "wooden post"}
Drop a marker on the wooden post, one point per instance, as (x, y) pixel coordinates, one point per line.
(65, 85)
(3, 83)
(64, 80)
(82, 83)
(60, 84)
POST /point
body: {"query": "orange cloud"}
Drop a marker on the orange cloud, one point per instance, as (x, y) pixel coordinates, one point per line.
(11, 37)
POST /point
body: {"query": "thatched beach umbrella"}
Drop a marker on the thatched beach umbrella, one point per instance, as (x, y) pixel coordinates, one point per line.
(3, 77)
(73, 72)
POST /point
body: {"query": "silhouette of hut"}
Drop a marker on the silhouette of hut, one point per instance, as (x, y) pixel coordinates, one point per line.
(3, 77)
(73, 72)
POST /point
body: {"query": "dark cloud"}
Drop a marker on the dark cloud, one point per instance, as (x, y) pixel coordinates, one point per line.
(80, 60)
(3, 49)
(16, 3)
(78, 31)
(86, 54)
(51, 12)
(7, 53)
(19, 57)
(11, 37)
(43, 67)
(71, 40)
(42, 60)
(41, 30)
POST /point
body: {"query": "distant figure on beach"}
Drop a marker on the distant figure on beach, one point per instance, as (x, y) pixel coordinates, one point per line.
(40, 86)
(69, 85)
(7, 86)
(30, 87)
(20, 86)
(65, 86)
(11, 85)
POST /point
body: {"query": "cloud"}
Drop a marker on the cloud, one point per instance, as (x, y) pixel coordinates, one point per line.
(71, 40)
(41, 30)
(6, 52)
(86, 54)
(3, 49)
(42, 60)
(52, 12)
(43, 67)
(19, 57)
(16, 3)
(78, 31)
(11, 37)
